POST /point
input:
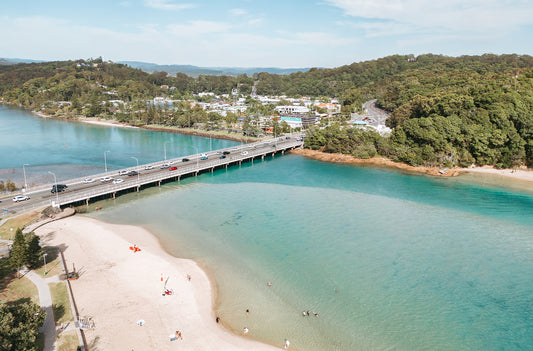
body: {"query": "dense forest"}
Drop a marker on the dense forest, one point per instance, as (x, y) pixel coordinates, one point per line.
(445, 111)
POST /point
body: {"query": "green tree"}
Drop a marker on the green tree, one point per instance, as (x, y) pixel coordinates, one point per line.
(33, 250)
(18, 250)
(19, 325)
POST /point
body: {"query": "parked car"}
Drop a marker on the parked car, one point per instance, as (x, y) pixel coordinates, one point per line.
(118, 181)
(88, 180)
(106, 179)
(21, 198)
(58, 188)
(173, 168)
(133, 173)
(184, 159)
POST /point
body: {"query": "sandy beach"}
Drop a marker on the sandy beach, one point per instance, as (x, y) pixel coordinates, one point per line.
(522, 173)
(117, 288)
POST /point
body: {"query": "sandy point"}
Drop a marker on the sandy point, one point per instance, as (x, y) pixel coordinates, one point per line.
(118, 287)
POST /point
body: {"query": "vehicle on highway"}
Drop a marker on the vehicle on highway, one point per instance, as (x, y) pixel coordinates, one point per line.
(58, 188)
(170, 162)
(164, 165)
(184, 159)
(148, 167)
(173, 168)
(244, 153)
(106, 179)
(203, 156)
(223, 156)
(133, 173)
(122, 172)
(89, 180)
(118, 181)
(21, 198)
(226, 153)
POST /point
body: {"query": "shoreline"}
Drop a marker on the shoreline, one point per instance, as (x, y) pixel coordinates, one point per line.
(522, 174)
(117, 288)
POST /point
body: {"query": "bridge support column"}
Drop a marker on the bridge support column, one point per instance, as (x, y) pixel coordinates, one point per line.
(226, 166)
(262, 157)
(212, 169)
(196, 174)
(273, 154)
(283, 152)
(159, 184)
(114, 195)
(240, 161)
(138, 188)
(87, 202)
(179, 178)
(252, 160)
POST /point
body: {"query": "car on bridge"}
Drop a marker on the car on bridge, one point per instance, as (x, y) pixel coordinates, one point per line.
(226, 152)
(147, 167)
(133, 173)
(173, 168)
(185, 160)
(203, 156)
(244, 153)
(89, 180)
(223, 156)
(21, 198)
(57, 188)
(106, 179)
(118, 181)
(122, 172)
(164, 165)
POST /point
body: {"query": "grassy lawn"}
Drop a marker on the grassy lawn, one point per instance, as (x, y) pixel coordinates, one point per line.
(67, 341)
(53, 263)
(17, 222)
(12, 289)
(61, 303)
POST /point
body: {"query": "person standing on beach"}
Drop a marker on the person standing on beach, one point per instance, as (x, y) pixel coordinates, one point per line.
(247, 312)
(287, 344)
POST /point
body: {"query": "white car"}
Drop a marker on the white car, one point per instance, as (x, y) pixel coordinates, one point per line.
(118, 181)
(88, 180)
(21, 198)
(170, 162)
(122, 172)
(148, 167)
(106, 179)
(244, 153)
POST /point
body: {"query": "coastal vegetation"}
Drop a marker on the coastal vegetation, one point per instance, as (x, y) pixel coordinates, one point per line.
(444, 111)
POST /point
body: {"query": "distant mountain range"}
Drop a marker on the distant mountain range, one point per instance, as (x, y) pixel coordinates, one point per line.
(189, 70)
(215, 71)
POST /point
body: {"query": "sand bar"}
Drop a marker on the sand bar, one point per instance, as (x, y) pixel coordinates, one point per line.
(117, 288)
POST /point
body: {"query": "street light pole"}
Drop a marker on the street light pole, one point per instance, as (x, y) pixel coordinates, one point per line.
(165, 148)
(105, 161)
(57, 190)
(135, 158)
(44, 258)
(197, 157)
(24, 171)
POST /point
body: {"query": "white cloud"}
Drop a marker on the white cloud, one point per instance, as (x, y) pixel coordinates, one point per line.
(167, 5)
(455, 15)
(238, 12)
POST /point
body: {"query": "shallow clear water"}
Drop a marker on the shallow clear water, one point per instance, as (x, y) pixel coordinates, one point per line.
(387, 260)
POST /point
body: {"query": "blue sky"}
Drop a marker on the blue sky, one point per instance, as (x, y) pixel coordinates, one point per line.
(256, 33)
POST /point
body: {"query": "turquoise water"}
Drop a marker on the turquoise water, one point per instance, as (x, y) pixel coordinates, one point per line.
(389, 261)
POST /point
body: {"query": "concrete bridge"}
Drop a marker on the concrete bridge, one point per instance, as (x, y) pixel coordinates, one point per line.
(83, 190)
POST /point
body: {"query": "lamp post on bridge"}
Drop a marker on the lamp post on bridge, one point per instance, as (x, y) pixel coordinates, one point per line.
(197, 157)
(165, 148)
(57, 190)
(138, 180)
(105, 161)
(24, 171)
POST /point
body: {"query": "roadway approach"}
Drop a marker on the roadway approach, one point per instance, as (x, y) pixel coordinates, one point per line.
(81, 191)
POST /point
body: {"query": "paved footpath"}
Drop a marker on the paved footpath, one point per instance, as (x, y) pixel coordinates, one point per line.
(45, 299)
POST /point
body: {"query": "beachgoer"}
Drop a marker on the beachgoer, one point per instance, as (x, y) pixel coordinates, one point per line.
(308, 313)
(304, 314)
(287, 344)
(247, 312)
(188, 278)
(217, 319)
(245, 330)
(316, 314)
(179, 335)
(269, 284)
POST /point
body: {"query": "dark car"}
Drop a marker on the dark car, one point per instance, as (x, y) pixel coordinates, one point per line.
(133, 173)
(226, 153)
(58, 188)
(173, 168)
(184, 160)
(223, 156)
